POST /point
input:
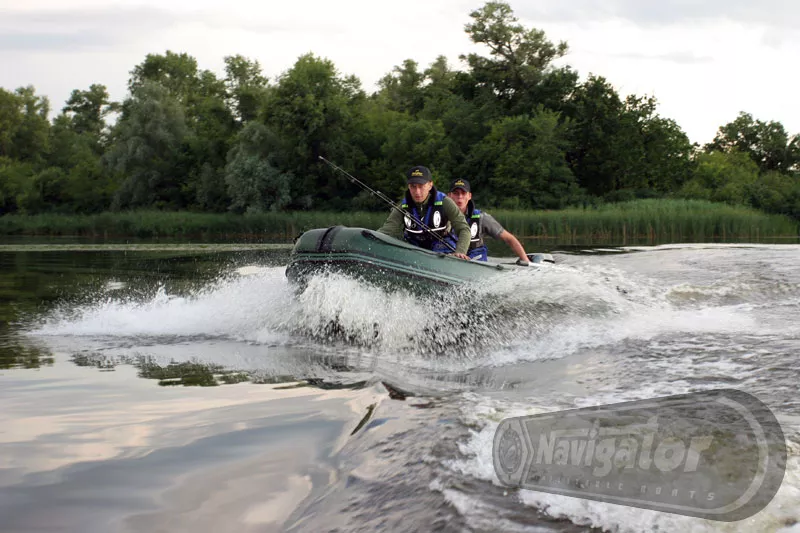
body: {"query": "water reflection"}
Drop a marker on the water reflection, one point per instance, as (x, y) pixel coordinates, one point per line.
(17, 352)
(190, 374)
(118, 455)
(34, 283)
(210, 365)
(215, 412)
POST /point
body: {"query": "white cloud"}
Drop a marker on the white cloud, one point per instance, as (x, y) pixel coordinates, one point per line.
(777, 13)
(703, 61)
(703, 75)
(79, 29)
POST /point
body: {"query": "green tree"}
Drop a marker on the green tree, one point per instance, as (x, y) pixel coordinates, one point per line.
(722, 177)
(146, 150)
(767, 143)
(29, 140)
(652, 153)
(623, 148)
(775, 192)
(314, 111)
(15, 177)
(519, 59)
(668, 154)
(210, 125)
(207, 146)
(402, 89)
(595, 134)
(440, 78)
(11, 118)
(88, 186)
(74, 179)
(246, 87)
(253, 178)
(210, 136)
(87, 110)
(405, 142)
(465, 121)
(522, 160)
(44, 192)
(177, 73)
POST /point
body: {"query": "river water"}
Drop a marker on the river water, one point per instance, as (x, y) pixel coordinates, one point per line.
(146, 389)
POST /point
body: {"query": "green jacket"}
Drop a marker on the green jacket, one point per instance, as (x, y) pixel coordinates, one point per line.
(394, 226)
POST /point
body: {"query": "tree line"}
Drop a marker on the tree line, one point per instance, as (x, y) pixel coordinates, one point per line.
(527, 133)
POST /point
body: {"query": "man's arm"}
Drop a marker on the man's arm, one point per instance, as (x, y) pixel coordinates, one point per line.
(393, 227)
(493, 228)
(458, 223)
(515, 245)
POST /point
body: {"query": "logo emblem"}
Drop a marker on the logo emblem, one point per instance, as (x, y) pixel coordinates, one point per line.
(473, 229)
(437, 219)
(407, 221)
(510, 451)
(719, 455)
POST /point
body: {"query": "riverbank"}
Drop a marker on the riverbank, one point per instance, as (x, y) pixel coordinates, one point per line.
(651, 221)
(638, 222)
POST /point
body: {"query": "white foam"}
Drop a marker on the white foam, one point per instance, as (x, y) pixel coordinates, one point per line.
(523, 316)
(231, 307)
(484, 414)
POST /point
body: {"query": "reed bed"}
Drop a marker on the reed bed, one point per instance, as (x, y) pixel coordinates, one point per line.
(653, 221)
(276, 227)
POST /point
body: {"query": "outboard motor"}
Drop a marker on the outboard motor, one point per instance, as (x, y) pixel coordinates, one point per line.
(541, 258)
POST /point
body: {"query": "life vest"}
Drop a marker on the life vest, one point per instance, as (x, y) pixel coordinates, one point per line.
(477, 248)
(434, 217)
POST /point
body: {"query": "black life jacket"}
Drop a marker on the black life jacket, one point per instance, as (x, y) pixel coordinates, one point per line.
(434, 217)
(477, 248)
(473, 216)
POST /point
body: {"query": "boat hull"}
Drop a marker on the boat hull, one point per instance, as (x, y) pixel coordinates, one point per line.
(379, 259)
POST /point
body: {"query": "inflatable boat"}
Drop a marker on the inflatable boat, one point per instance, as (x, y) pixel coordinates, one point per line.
(379, 259)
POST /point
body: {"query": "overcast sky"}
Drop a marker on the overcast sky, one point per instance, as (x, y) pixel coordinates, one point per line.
(704, 60)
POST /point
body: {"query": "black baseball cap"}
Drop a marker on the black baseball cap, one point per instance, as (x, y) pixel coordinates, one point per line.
(460, 183)
(419, 174)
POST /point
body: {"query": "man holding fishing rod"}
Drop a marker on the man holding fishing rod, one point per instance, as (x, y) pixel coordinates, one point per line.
(427, 217)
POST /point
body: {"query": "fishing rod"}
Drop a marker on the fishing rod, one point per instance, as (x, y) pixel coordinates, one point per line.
(380, 195)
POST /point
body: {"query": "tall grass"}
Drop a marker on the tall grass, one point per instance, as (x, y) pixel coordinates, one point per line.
(281, 227)
(652, 221)
(641, 221)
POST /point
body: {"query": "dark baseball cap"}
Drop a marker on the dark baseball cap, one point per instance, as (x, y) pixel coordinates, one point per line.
(460, 183)
(419, 174)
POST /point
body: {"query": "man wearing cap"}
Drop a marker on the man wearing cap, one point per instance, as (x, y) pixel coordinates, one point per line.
(424, 204)
(481, 224)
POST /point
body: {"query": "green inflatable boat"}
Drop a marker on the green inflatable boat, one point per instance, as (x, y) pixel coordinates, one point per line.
(385, 261)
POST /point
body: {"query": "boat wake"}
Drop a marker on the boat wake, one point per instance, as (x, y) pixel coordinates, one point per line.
(581, 332)
(472, 324)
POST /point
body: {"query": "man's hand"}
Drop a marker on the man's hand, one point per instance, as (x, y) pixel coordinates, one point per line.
(465, 257)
